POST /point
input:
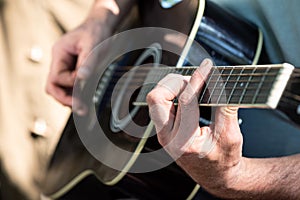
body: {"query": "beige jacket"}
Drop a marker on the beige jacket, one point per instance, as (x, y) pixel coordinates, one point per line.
(30, 121)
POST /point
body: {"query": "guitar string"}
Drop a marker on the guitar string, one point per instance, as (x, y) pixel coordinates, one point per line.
(188, 70)
(248, 90)
(157, 74)
(267, 83)
(249, 94)
(140, 77)
(286, 100)
(127, 68)
(296, 71)
(210, 88)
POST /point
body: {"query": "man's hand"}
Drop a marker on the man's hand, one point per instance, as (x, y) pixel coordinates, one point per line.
(71, 51)
(69, 55)
(210, 155)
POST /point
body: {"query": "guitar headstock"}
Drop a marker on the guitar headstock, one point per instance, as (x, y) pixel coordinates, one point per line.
(290, 101)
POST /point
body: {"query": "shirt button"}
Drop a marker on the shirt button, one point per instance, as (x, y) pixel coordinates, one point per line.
(40, 127)
(36, 54)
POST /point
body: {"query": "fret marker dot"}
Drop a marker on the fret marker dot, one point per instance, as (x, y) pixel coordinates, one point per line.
(240, 121)
(241, 84)
(298, 110)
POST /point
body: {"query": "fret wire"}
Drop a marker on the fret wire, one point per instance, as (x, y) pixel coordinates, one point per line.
(247, 84)
(224, 86)
(185, 71)
(215, 85)
(226, 68)
(246, 74)
(263, 97)
(188, 73)
(155, 78)
(158, 73)
(259, 87)
(191, 69)
(252, 81)
(135, 81)
(246, 95)
(249, 89)
(207, 83)
(213, 75)
(232, 91)
(172, 70)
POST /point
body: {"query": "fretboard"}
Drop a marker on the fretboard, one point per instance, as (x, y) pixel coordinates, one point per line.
(244, 86)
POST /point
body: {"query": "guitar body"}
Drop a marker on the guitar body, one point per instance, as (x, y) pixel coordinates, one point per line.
(73, 161)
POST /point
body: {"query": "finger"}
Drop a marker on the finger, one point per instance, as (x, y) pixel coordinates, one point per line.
(226, 119)
(63, 64)
(188, 112)
(226, 125)
(84, 69)
(187, 135)
(60, 81)
(85, 63)
(160, 101)
(63, 95)
(91, 57)
(64, 79)
(200, 76)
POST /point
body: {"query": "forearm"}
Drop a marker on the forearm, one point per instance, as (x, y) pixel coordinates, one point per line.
(212, 155)
(269, 178)
(110, 12)
(266, 178)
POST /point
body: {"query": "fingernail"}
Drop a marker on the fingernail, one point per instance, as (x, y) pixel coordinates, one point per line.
(205, 68)
(206, 61)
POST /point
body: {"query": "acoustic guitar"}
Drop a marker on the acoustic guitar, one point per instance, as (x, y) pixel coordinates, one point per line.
(235, 46)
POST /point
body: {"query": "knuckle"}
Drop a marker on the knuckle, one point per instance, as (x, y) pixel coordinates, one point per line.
(186, 99)
(229, 111)
(53, 80)
(163, 140)
(236, 141)
(233, 143)
(153, 97)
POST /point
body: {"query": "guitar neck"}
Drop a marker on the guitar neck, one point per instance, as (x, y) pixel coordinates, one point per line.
(258, 86)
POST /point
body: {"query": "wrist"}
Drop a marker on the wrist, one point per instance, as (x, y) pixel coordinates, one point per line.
(104, 12)
(221, 179)
(229, 183)
(109, 12)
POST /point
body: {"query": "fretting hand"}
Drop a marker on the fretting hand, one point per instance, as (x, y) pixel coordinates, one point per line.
(210, 155)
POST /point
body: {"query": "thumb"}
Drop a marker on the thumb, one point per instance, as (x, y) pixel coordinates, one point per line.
(92, 56)
(84, 64)
(226, 122)
(84, 71)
